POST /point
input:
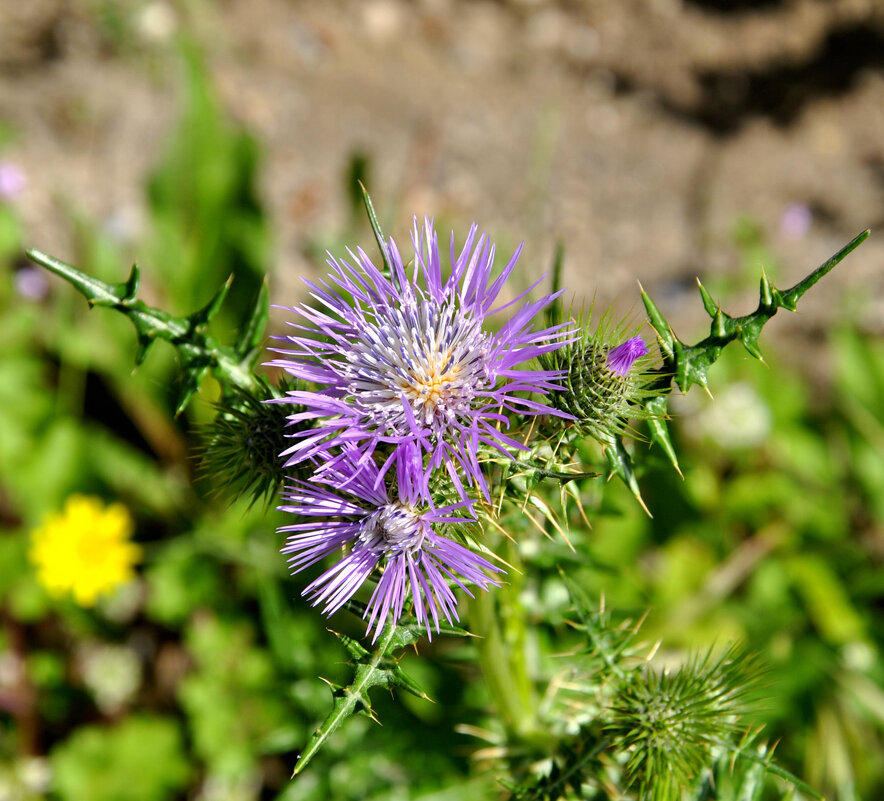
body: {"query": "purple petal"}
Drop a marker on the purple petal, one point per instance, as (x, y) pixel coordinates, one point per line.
(621, 358)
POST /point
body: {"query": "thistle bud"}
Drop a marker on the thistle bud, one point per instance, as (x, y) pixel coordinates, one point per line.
(603, 385)
(671, 724)
(243, 443)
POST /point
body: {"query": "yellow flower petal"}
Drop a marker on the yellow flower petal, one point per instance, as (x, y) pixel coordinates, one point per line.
(85, 550)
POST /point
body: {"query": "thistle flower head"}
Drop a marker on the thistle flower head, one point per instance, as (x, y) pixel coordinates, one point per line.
(604, 385)
(391, 531)
(406, 357)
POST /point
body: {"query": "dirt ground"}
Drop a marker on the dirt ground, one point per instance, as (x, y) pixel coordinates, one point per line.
(637, 131)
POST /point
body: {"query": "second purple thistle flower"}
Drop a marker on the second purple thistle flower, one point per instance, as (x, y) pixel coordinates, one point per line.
(395, 531)
(406, 358)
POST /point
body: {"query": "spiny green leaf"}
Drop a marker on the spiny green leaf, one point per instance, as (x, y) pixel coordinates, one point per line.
(606, 643)
(621, 466)
(688, 365)
(376, 668)
(659, 430)
(376, 228)
(199, 352)
(351, 699)
(252, 335)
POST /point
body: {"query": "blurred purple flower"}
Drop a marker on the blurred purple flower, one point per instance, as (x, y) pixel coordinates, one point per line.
(396, 534)
(796, 220)
(12, 181)
(621, 358)
(405, 358)
(31, 283)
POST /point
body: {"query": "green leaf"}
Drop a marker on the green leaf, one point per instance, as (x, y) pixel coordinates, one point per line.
(141, 759)
(376, 668)
(688, 365)
(376, 228)
(199, 352)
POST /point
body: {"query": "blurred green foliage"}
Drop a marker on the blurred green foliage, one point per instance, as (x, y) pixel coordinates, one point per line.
(100, 762)
(207, 219)
(774, 538)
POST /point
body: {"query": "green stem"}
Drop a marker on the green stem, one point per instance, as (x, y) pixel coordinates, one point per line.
(345, 705)
(498, 620)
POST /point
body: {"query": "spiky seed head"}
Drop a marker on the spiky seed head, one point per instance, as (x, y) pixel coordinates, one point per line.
(670, 724)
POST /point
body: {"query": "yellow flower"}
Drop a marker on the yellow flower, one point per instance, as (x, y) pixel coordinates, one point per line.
(85, 549)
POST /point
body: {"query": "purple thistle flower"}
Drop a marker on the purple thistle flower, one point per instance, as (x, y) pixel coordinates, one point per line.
(404, 358)
(621, 358)
(396, 534)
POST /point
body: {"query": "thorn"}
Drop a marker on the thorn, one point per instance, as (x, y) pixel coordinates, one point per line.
(541, 529)
(653, 652)
(708, 392)
(708, 303)
(751, 347)
(201, 318)
(144, 346)
(130, 287)
(583, 516)
(718, 326)
(766, 290)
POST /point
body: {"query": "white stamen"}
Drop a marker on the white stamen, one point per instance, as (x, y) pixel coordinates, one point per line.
(393, 528)
(433, 355)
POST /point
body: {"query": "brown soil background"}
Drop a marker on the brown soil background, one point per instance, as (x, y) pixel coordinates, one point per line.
(636, 131)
